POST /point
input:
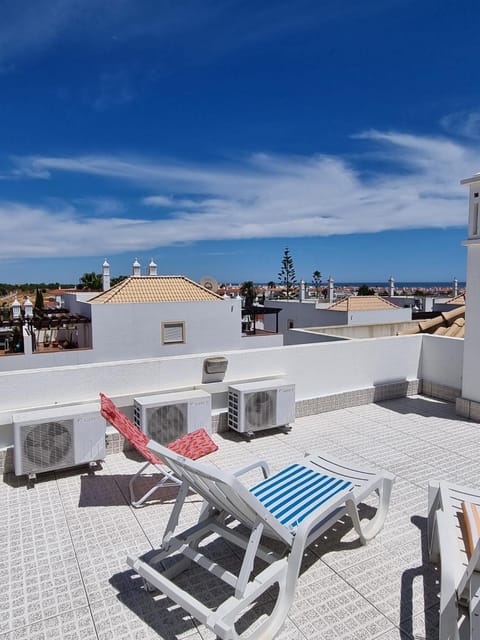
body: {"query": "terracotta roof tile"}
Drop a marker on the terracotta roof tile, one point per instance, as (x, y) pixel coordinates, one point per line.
(363, 303)
(155, 289)
(460, 299)
(448, 323)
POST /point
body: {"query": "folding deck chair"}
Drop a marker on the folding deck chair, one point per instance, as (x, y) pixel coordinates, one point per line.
(193, 445)
(454, 541)
(294, 507)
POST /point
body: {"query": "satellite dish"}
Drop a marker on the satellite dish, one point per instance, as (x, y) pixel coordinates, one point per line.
(209, 283)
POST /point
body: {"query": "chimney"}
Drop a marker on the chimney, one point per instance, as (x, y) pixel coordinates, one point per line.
(391, 285)
(331, 289)
(302, 290)
(455, 287)
(16, 309)
(105, 275)
(28, 308)
(136, 268)
(152, 269)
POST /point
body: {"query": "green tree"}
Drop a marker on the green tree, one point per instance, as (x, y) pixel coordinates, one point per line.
(39, 299)
(365, 291)
(116, 280)
(249, 291)
(92, 281)
(317, 281)
(286, 275)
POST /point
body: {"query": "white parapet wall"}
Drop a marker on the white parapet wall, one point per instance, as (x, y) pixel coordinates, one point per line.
(441, 366)
(352, 371)
(318, 370)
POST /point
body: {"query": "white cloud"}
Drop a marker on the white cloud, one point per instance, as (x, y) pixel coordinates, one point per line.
(158, 201)
(415, 184)
(463, 123)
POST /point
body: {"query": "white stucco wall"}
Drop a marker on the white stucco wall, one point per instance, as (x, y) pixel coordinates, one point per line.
(306, 314)
(380, 317)
(471, 360)
(442, 360)
(132, 331)
(317, 370)
(122, 331)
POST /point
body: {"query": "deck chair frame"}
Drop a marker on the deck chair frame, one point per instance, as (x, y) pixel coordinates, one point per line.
(200, 445)
(460, 575)
(227, 500)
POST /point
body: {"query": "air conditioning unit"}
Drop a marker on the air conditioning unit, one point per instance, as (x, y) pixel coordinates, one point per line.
(254, 406)
(50, 439)
(167, 416)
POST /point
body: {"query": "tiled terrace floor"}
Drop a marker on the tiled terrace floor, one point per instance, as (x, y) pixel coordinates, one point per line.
(63, 544)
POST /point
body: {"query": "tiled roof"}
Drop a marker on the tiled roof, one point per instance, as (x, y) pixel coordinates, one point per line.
(448, 323)
(363, 303)
(460, 299)
(155, 289)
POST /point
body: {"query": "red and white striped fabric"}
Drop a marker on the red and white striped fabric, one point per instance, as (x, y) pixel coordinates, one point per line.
(193, 445)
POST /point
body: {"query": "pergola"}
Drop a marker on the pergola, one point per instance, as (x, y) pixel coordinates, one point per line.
(253, 312)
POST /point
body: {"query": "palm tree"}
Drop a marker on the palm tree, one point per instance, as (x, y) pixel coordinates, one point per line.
(249, 291)
(92, 281)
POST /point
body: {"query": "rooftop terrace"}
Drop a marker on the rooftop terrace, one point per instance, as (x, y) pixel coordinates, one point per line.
(64, 543)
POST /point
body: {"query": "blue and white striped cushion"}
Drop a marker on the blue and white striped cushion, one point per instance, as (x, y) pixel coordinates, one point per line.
(295, 492)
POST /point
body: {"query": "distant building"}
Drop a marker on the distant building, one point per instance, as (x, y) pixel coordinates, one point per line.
(352, 310)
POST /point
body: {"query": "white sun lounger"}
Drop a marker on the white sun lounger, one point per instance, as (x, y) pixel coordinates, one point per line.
(294, 506)
(448, 529)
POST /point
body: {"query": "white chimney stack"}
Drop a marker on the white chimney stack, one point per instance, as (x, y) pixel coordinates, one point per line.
(391, 284)
(331, 289)
(16, 308)
(302, 290)
(152, 269)
(136, 268)
(105, 275)
(28, 307)
(455, 287)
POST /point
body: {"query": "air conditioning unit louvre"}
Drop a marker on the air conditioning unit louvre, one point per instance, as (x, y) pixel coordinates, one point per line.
(255, 406)
(51, 439)
(164, 417)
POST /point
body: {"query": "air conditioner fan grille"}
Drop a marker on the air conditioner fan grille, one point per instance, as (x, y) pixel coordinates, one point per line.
(167, 423)
(260, 409)
(48, 445)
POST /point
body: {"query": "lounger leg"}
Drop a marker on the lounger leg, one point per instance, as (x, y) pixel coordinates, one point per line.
(281, 572)
(371, 529)
(434, 500)
(168, 480)
(474, 609)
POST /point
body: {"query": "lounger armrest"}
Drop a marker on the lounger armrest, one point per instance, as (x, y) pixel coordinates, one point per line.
(249, 467)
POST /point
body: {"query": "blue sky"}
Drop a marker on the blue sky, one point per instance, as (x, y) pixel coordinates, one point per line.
(211, 135)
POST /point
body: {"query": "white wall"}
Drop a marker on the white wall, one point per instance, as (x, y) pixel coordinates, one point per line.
(368, 330)
(317, 370)
(122, 331)
(380, 317)
(307, 314)
(442, 360)
(303, 314)
(471, 361)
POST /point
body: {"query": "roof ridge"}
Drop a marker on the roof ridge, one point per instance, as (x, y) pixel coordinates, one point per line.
(151, 288)
(109, 293)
